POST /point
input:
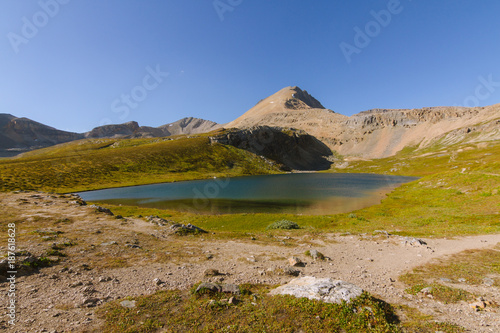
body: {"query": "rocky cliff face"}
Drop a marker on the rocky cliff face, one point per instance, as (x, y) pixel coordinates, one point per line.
(293, 149)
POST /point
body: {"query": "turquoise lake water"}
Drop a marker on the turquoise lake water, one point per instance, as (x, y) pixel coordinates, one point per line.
(300, 193)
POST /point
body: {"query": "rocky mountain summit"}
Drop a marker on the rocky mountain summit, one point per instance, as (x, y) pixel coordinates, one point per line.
(374, 133)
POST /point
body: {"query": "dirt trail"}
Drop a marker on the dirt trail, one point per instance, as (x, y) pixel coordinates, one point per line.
(53, 299)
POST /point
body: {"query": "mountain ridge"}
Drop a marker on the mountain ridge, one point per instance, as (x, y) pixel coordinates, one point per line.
(20, 134)
(374, 133)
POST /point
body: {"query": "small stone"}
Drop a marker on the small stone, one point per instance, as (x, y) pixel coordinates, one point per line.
(233, 300)
(109, 243)
(90, 301)
(477, 305)
(291, 271)
(446, 280)
(231, 288)
(104, 279)
(294, 261)
(211, 272)
(488, 281)
(76, 284)
(102, 209)
(158, 281)
(315, 254)
(128, 304)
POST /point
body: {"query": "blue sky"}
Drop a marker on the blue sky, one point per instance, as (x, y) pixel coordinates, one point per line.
(72, 63)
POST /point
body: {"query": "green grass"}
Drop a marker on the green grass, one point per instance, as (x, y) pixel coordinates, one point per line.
(458, 193)
(470, 266)
(256, 312)
(413, 321)
(455, 196)
(103, 163)
(441, 293)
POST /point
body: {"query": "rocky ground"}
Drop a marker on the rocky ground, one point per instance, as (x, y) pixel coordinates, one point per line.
(102, 258)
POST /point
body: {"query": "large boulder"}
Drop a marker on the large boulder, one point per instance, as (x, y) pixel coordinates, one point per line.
(321, 289)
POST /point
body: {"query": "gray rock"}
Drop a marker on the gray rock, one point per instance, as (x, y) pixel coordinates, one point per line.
(158, 281)
(102, 209)
(158, 220)
(322, 289)
(315, 254)
(211, 272)
(426, 291)
(219, 288)
(488, 281)
(109, 243)
(213, 287)
(133, 246)
(412, 241)
(128, 304)
(446, 280)
(90, 301)
(76, 284)
(178, 228)
(231, 289)
(291, 271)
(104, 279)
(294, 261)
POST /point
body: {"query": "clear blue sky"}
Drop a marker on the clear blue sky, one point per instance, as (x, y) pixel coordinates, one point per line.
(73, 70)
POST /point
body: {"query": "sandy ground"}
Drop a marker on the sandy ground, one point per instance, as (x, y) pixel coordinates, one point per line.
(52, 299)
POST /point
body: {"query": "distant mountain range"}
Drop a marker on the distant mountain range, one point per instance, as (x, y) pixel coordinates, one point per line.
(19, 135)
(370, 134)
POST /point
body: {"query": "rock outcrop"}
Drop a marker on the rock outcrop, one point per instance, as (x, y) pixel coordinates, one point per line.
(321, 289)
(292, 148)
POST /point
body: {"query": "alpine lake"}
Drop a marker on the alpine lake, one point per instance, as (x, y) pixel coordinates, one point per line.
(297, 193)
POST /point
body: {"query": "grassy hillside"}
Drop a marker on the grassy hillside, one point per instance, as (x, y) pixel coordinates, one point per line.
(102, 163)
(458, 194)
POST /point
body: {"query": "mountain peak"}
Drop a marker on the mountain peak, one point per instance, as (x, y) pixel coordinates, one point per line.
(288, 99)
(301, 99)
